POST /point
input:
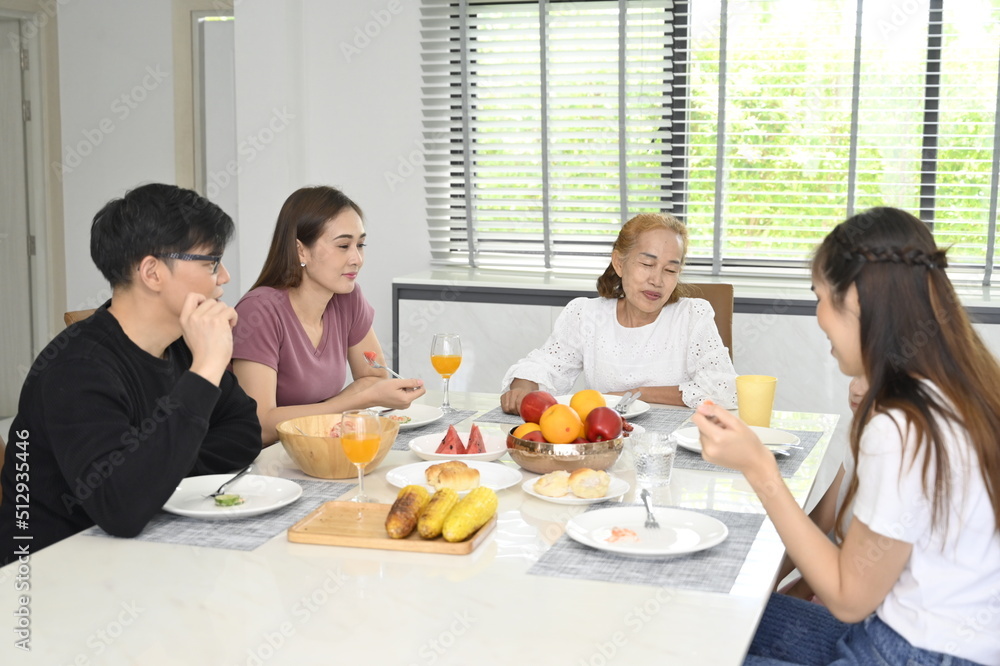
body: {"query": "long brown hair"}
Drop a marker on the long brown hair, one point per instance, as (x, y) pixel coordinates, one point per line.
(912, 328)
(303, 217)
(609, 285)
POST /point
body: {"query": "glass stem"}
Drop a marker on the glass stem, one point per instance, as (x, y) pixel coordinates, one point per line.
(361, 484)
(446, 404)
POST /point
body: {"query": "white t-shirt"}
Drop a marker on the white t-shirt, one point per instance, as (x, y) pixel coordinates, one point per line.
(947, 598)
(681, 348)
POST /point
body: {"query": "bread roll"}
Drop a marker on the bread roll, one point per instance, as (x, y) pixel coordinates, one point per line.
(453, 474)
(553, 484)
(589, 484)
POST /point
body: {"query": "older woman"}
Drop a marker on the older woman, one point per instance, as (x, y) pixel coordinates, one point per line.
(305, 321)
(639, 334)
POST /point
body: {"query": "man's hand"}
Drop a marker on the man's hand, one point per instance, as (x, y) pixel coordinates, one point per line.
(208, 331)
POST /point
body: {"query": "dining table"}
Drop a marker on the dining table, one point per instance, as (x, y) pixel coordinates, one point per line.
(192, 591)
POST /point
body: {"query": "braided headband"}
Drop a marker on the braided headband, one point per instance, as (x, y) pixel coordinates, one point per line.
(895, 255)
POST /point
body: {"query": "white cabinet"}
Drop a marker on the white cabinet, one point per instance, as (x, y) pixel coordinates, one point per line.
(494, 336)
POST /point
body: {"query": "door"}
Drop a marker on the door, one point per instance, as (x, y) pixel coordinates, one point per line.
(15, 280)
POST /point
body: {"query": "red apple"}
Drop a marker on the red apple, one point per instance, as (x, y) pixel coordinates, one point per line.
(533, 404)
(602, 424)
(534, 436)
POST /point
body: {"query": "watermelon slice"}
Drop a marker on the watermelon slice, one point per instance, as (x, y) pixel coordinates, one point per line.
(370, 355)
(476, 443)
(451, 445)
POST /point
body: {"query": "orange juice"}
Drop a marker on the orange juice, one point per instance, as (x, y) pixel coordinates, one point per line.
(359, 449)
(445, 365)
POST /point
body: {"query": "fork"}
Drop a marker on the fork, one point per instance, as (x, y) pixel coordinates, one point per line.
(651, 523)
(222, 488)
(623, 403)
(378, 366)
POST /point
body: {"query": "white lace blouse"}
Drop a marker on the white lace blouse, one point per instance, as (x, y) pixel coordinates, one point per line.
(681, 348)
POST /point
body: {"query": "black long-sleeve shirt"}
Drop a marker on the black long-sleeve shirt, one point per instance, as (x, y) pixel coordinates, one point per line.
(105, 431)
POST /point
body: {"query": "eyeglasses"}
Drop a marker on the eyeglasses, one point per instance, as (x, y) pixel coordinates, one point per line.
(215, 259)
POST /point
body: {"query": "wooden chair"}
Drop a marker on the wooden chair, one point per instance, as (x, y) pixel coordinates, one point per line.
(720, 296)
(74, 316)
(3, 453)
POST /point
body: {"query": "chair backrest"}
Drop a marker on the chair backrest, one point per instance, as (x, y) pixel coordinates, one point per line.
(74, 316)
(720, 296)
(3, 453)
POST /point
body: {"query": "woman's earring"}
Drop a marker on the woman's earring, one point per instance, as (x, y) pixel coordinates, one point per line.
(303, 264)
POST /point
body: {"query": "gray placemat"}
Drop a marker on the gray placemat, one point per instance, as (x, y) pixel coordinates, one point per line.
(788, 465)
(663, 420)
(497, 415)
(402, 442)
(712, 570)
(238, 533)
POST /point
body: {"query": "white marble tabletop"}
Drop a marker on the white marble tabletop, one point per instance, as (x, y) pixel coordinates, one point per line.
(95, 600)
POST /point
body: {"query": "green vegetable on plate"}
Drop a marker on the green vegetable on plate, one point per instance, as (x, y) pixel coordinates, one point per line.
(228, 499)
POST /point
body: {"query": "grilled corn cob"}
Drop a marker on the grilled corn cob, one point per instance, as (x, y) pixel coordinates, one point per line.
(405, 511)
(432, 519)
(472, 512)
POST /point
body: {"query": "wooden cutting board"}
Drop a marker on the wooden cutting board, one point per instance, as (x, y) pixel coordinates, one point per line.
(337, 524)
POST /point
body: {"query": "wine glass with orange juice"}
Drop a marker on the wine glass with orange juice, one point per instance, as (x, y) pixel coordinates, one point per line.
(446, 356)
(360, 435)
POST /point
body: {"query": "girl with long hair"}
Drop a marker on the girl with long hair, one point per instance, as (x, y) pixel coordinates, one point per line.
(305, 322)
(915, 578)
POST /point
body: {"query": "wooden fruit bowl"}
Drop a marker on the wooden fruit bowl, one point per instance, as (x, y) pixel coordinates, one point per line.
(321, 456)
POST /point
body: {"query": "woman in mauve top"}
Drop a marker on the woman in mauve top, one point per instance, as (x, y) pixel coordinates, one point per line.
(305, 320)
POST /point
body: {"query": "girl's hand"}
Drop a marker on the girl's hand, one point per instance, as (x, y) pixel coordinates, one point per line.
(727, 441)
(856, 391)
(396, 393)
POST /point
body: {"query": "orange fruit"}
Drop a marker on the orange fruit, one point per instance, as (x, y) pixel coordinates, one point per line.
(524, 429)
(560, 424)
(584, 401)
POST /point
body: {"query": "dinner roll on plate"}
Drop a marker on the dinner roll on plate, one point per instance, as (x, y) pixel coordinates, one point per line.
(588, 483)
(553, 484)
(453, 474)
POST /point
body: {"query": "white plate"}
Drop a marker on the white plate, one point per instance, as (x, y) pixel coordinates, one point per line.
(260, 494)
(492, 475)
(495, 441)
(617, 488)
(420, 415)
(689, 439)
(680, 531)
(635, 409)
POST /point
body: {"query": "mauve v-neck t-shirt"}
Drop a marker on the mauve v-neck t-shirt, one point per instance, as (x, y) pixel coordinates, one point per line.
(269, 332)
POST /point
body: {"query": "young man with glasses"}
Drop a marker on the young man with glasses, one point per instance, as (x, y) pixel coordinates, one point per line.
(123, 405)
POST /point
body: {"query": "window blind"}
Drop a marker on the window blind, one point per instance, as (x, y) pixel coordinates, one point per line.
(563, 114)
(761, 123)
(927, 138)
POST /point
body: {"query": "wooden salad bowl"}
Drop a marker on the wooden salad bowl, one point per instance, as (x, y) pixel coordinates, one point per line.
(317, 454)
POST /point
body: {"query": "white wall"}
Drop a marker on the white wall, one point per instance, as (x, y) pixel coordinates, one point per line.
(339, 84)
(326, 93)
(116, 94)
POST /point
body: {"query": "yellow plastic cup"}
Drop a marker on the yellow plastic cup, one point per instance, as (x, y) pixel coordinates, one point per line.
(755, 397)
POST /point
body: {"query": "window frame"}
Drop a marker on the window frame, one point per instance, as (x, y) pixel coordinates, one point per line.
(674, 199)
